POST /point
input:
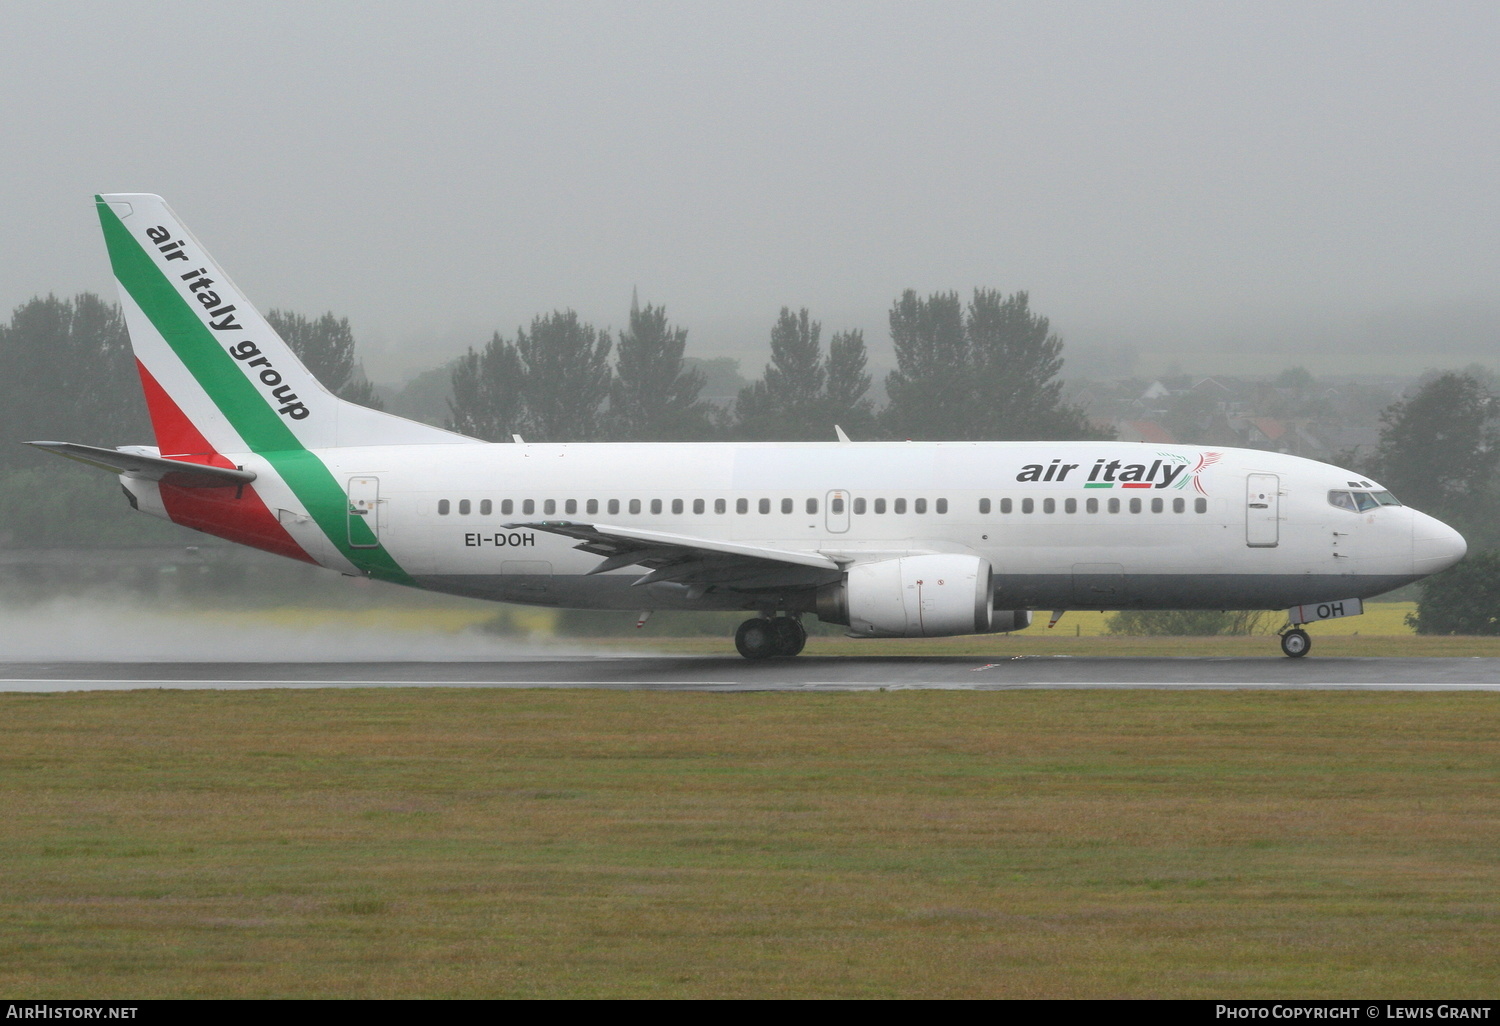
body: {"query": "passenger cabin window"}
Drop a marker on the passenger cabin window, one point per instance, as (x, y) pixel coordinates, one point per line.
(507, 507)
(591, 507)
(742, 505)
(812, 506)
(765, 505)
(528, 507)
(919, 506)
(786, 505)
(898, 506)
(1070, 505)
(1135, 505)
(1200, 505)
(1156, 505)
(676, 505)
(1179, 505)
(1114, 505)
(942, 506)
(635, 506)
(1049, 505)
(486, 507)
(1028, 505)
(571, 506)
(614, 506)
(1005, 506)
(697, 506)
(1091, 505)
(463, 507)
(720, 506)
(655, 505)
(859, 506)
(879, 505)
(984, 505)
(443, 507)
(549, 506)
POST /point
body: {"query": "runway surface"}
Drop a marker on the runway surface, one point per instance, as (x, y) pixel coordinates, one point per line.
(697, 673)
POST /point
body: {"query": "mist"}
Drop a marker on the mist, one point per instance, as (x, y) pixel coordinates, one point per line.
(87, 630)
(1201, 183)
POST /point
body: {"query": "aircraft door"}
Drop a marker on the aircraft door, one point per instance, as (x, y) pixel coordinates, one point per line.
(364, 512)
(838, 512)
(1262, 511)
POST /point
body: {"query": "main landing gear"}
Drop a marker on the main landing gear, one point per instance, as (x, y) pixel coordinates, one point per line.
(767, 637)
(1295, 642)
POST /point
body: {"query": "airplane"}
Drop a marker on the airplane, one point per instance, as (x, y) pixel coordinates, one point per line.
(889, 539)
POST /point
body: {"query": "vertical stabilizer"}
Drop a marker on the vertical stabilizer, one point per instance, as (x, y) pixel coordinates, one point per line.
(216, 375)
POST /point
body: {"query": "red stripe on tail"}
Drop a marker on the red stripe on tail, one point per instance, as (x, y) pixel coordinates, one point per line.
(176, 436)
(245, 519)
(236, 514)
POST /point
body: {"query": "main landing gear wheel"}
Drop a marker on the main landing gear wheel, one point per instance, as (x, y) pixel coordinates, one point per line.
(791, 636)
(767, 638)
(1295, 643)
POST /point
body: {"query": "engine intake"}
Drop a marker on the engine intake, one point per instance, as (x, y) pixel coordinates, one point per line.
(929, 596)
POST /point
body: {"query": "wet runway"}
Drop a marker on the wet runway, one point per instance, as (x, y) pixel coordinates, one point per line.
(698, 673)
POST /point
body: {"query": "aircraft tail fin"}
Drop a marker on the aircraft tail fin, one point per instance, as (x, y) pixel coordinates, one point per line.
(217, 376)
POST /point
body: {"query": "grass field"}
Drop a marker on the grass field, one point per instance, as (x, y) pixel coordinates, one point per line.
(466, 843)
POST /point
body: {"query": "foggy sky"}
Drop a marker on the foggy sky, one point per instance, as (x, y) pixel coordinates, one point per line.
(1312, 183)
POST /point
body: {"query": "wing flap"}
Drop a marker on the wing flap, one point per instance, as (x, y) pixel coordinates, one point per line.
(687, 559)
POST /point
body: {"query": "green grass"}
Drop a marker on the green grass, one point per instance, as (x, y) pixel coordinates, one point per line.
(405, 843)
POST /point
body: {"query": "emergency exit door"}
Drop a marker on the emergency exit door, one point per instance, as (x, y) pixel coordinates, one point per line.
(837, 506)
(1262, 511)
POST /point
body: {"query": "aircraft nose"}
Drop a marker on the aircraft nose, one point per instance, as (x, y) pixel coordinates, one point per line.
(1434, 545)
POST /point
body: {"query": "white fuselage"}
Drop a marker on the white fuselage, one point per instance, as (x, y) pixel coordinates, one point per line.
(1186, 528)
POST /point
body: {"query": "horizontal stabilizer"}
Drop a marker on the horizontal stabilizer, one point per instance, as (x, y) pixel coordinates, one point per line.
(153, 468)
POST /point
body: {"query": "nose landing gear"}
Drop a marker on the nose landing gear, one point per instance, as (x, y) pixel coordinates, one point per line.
(766, 637)
(1294, 642)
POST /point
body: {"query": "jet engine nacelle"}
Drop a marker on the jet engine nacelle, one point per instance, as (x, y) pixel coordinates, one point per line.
(917, 597)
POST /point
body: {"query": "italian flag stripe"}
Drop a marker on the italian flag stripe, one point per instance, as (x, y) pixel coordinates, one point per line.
(262, 428)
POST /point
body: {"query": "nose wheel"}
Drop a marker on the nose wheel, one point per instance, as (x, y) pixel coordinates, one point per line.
(765, 637)
(1295, 643)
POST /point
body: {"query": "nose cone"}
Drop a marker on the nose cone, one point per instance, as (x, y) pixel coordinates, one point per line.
(1434, 545)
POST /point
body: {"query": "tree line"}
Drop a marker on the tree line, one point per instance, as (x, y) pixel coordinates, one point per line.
(67, 372)
(988, 369)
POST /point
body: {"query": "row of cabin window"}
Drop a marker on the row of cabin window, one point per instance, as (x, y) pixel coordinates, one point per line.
(633, 506)
(836, 505)
(1179, 505)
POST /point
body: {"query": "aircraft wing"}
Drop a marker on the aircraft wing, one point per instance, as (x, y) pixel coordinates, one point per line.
(693, 561)
(154, 468)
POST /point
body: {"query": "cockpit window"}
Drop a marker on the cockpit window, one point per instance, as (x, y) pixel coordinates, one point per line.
(1358, 502)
